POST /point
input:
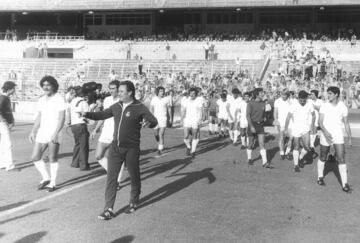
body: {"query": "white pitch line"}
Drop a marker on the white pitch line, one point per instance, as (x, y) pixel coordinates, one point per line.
(53, 195)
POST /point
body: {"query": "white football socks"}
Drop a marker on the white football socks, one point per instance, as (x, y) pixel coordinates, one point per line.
(194, 145)
(187, 143)
(296, 157)
(320, 168)
(54, 167)
(263, 156)
(343, 173)
(248, 152)
(40, 166)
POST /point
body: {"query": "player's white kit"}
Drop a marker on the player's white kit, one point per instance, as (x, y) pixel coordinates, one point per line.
(301, 117)
(333, 122)
(160, 110)
(234, 105)
(49, 108)
(223, 115)
(193, 112)
(243, 119)
(283, 108)
(107, 131)
(316, 103)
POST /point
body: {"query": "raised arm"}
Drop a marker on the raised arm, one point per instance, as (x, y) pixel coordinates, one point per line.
(101, 115)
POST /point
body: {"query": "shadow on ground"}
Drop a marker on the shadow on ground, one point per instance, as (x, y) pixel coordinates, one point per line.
(36, 237)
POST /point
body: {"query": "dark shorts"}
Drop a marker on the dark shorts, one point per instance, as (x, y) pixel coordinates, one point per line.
(212, 113)
(259, 129)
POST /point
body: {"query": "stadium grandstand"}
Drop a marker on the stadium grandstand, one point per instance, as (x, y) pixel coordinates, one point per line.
(232, 39)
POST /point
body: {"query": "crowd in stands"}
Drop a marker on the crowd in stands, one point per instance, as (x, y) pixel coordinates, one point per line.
(299, 68)
(345, 34)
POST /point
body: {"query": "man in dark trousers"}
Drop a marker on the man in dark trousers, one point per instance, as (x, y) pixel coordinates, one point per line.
(255, 114)
(129, 116)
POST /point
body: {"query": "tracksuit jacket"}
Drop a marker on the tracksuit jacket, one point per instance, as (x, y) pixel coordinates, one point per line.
(127, 122)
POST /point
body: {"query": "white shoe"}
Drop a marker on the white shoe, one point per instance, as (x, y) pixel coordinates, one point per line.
(10, 167)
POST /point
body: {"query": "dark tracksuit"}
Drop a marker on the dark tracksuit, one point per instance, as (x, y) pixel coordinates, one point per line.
(256, 113)
(125, 145)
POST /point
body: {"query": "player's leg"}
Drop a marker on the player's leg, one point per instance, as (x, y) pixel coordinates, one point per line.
(261, 139)
(282, 144)
(6, 160)
(221, 127)
(296, 153)
(54, 164)
(324, 151)
(340, 156)
(231, 130)
(161, 139)
(101, 149)
(187, 139)
(305, 139)
(236, 132)
(36, 157)
(250, 146)
(156, 134)
(195, 140)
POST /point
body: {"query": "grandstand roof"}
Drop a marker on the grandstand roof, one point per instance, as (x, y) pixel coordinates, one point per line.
(68, 5)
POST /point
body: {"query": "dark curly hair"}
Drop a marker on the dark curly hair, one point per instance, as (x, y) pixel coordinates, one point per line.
(51, 80)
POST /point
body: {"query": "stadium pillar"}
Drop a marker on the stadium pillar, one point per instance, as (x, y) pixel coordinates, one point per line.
(13, 20)
(203, 22)
(314, 15)
(256, 20)
(153, 22)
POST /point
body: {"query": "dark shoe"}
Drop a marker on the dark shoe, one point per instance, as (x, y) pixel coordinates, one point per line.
(131, 209)
(187, 151)
(267, 165)
(282, 157)
(243, 147)
(51, 189)
(210, 133)
(320, 181)
(289, 156)
(106, 215)
(193, 155)
(296, 168)
(42, 185)
(86, 169)
(159, 152)
(250, 162)
(75, 166)
(301, 163)
(346, 188)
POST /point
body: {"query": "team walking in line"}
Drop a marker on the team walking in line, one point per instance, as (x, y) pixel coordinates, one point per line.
(299, 121)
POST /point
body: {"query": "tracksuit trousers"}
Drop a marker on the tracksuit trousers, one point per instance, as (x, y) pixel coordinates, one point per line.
(117, 156)
(81, 147)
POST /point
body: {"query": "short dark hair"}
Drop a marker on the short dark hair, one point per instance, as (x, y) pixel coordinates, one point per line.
(193, 89)
(98, 86)
(223, 96)
(158, 89)
(115, 82)
(248, 94)
(129, 87)
(303, 94)
(51, 80)
(315, 92)
(236, 91)
(8, 85)
(334, 90)
(256, 92)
